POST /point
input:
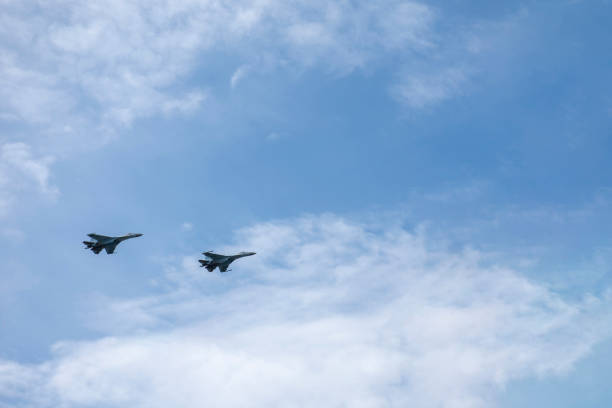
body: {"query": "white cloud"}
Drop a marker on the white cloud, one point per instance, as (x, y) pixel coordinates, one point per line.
(328, 313)
(186, 226)
(187, 104)
(13, 234)
(239, 75)
(115, 61)
(422, 90)
(21, 172)
(457, 58)
(272, 136)
(454, 193)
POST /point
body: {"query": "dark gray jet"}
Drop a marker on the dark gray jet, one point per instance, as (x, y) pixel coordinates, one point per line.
(222, 261)
(107, 243)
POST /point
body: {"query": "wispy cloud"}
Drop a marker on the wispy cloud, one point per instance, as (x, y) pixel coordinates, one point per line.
(103, 65)
(124, 60)
(85, 74)
(21, 171)
(12, 234)
(271, 137)
(239, 75)
(365, 315)
(419, 90)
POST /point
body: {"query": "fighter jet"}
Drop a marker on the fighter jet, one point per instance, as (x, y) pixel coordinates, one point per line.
(107, 243)
(222, 261)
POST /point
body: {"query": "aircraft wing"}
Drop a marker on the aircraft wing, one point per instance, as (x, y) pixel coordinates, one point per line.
(223, 268)
(213, 256)
(98, 237)
(110, 248)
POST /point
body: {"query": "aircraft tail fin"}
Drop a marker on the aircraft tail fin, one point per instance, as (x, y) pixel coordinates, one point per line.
(203, 262)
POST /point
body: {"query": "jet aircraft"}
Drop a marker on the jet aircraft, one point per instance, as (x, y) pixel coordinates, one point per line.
(222, 261)
(107, 243)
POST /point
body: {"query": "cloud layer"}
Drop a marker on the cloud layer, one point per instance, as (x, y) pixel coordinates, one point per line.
(330, 312)
(76, 78)
(118, 60)
(21, 171)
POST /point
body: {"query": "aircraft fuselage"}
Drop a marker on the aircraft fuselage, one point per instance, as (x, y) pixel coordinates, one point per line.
(106, 243)
(221, 261)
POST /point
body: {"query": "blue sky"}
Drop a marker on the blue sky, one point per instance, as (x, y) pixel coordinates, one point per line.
(427, 186)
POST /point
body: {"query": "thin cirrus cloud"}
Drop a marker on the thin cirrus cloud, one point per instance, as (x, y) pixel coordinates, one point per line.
(69, 69)
(330, 312)
(424, 90)
(21, 171)
(239, 75)
(118, 61)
